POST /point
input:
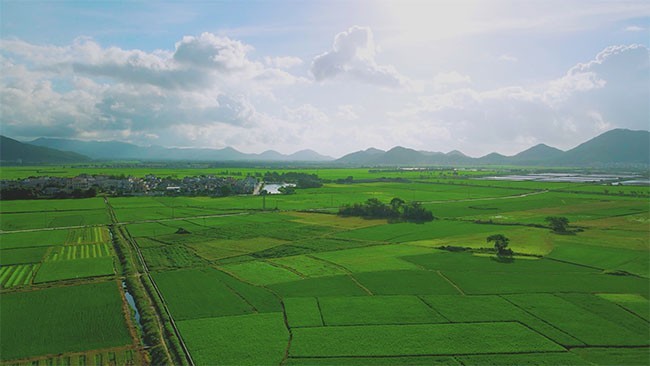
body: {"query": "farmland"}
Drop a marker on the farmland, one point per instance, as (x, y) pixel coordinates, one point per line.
(296, 284)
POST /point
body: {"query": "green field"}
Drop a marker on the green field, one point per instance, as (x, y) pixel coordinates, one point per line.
(63, 319)
(302, 286)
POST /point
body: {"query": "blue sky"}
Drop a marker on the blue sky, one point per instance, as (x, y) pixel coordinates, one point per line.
(333, 76)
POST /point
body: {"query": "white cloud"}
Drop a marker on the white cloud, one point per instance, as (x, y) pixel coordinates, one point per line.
(508, 58)
(71, 90)
(609, 91)
(634, 28)
(285, 62)
(347, 112)
(353, 55)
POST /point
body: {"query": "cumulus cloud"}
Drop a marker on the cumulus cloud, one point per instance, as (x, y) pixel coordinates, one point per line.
(71, 90)
(634, 28)
(608, 91)
(353, 55)
(284, 62)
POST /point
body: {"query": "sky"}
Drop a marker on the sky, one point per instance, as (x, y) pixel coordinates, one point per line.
(331, 76)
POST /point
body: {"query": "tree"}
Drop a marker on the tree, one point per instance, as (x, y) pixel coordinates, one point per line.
(558, 224)
(500, 244)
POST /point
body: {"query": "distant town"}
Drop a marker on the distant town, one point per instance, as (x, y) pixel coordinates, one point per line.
(151, 185)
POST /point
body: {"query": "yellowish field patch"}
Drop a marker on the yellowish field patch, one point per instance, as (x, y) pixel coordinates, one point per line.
(522, 240)
(639, 222)
(334, 220)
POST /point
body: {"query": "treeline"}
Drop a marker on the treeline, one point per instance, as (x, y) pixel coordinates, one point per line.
(301, 180)
(31, 194)
(397, 210)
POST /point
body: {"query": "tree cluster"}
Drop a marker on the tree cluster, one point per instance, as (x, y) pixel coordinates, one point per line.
(397, 210)
(31, 194)
(501, 245)
(558, 224)
(301, 180)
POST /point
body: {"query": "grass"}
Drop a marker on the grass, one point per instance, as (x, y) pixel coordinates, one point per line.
(578, 322)
(199, 293)
(170, 256)
(308, 266)
(374, 258)
(405, 282)
(32, 239)
(321, 286)
(22, 255)
(303, 312)
(635, 303)
(370, 310)
(256, 339)
(460, 309)
(17, 275)
(418, 339)
(260, 273)
(73, 269)
(80, 251)
(62, 319)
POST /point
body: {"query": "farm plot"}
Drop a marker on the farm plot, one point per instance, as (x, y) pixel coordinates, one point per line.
(405, 282)
(199, 293)
(319, 286)
(22, 255)
(62, 319)
(80, 251)
(260, 273)
(32, 239)
(256, 339)
(525, 282)
(374, 258)
(574, 250)
(462, 309)
(634, 303)
(212, 249)
(368, 310)
(115, 356)
(578, 322)
(73, 269)
(375, 361)
(614, 356)
(96, 234)
(303, 312)
(170, 256)
(308, 266)
(418, 339)
(18, 275)
(405, 232)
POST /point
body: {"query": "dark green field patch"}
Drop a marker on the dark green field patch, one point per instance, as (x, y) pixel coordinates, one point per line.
(374, 361)
(633, 261)
(634, 303)
(580, 323)
(62, 319)
(170, 256)
(405, 282)
(614, 356)
(545, 359)
(199, 293)
(525, 282)
(446, 261)
(260, 298)
(610, 311)
(459, 309)
(368, 310)
(75, 268)
(256, 339)
(303, 312)
(32, 239)
(418, 339)
(22, 255)
(319, 286)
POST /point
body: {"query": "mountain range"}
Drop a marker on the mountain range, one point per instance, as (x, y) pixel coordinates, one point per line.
(615, 147)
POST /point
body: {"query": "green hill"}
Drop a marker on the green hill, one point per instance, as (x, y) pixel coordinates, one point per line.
(16, 152)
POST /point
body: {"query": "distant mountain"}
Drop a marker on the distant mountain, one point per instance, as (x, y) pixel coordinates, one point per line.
(114, 150)
(12, 151)
(612, 147)
(616, 147)
(360, 157)
(537, 154)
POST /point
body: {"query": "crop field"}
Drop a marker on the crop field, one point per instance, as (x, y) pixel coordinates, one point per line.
(62, 319)
(300, 285)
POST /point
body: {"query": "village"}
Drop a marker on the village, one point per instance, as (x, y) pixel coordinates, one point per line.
(86, 185)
